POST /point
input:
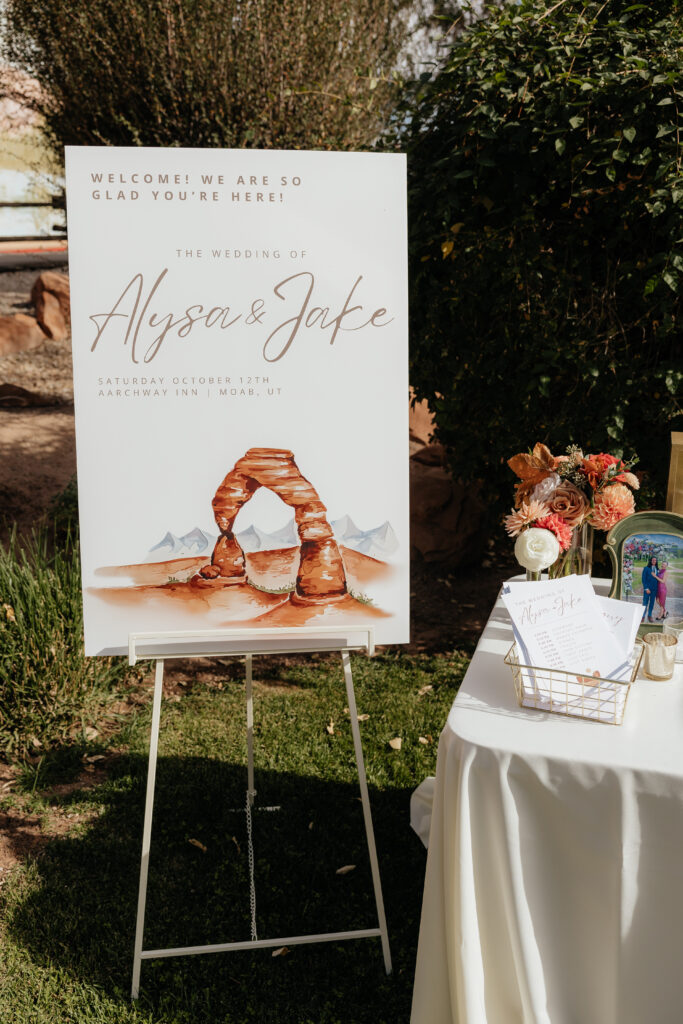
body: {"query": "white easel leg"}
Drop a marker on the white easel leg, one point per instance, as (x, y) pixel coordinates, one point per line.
(147, 828)
(250, 731)
(369, 832)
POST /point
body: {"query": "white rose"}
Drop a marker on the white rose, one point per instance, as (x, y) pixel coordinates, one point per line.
(547, 487)
(536, 548)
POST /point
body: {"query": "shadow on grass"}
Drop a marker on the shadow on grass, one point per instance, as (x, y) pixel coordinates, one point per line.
(79, 910)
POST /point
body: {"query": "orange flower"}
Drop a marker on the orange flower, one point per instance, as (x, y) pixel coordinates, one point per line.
(597, 467)
(592, 470)
(612, 504)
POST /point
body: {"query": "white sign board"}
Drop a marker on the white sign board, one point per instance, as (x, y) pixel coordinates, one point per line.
(239, 325)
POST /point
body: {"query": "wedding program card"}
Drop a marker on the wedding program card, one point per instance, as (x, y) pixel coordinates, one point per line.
(623, 620)
(559, 625)
(564, 626)
(240, 351)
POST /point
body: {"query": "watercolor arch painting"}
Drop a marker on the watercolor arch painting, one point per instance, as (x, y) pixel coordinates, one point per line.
(310, 578)
(320, 576)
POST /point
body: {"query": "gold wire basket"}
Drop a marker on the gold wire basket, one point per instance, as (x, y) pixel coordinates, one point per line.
(571, 693)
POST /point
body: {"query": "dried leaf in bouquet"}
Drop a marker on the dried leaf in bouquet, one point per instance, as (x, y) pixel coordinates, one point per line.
(532, 469)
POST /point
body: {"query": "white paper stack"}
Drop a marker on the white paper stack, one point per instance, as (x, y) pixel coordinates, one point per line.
(582, 641)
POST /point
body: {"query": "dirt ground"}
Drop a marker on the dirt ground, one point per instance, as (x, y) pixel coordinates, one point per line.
(37, 444)
(23, 834)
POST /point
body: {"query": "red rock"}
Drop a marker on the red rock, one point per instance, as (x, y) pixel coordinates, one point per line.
(421, 420)
(320, 577)
(50, 318)
(18, 333)
(445, 515)
(51, 297)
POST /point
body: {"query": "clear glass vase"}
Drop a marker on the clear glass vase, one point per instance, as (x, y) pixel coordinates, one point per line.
(578, 558)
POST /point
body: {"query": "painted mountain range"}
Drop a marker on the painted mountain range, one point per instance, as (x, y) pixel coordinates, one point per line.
(196, 542)
(379, 542)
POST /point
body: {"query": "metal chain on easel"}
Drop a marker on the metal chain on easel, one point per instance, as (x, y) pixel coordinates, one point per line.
(250, 852)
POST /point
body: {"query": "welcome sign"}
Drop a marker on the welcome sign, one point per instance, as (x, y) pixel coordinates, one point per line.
(239, 325)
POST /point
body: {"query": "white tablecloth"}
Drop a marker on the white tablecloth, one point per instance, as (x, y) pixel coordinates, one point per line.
(554, 882)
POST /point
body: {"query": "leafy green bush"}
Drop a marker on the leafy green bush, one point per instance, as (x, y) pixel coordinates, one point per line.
(546, 201)
(49, 690)
(215, 73)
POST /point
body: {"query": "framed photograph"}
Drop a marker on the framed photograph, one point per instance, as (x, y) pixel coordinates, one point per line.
(646, 550)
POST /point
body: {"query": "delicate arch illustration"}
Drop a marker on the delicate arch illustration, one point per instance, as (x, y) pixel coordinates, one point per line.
(320, 576)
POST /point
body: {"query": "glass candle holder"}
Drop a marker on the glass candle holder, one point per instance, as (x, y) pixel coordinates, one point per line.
(675, 629)
(660, 655)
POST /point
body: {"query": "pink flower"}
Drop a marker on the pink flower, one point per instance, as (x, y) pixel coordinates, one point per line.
(524, 516)
(612, 504)
(559, 527)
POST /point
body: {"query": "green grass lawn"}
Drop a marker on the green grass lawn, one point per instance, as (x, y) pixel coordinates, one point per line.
(68, 917)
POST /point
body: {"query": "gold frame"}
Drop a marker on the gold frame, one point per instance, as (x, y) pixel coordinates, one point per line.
(674, 492)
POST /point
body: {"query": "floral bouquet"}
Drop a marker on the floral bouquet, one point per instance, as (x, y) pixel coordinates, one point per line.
(560, 499)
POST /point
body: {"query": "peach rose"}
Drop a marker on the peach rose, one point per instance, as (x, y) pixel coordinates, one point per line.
(568, 501)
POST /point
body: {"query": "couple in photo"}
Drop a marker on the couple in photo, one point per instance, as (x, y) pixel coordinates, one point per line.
(654, 589)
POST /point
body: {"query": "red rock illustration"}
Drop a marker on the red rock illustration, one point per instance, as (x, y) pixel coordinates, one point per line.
(320, 577)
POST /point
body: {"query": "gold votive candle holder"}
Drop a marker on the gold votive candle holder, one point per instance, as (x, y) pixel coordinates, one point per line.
(660, 656)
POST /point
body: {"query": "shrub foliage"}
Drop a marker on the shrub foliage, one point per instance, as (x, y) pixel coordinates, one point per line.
(49, 690)
(547, 234)
(212, 73)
